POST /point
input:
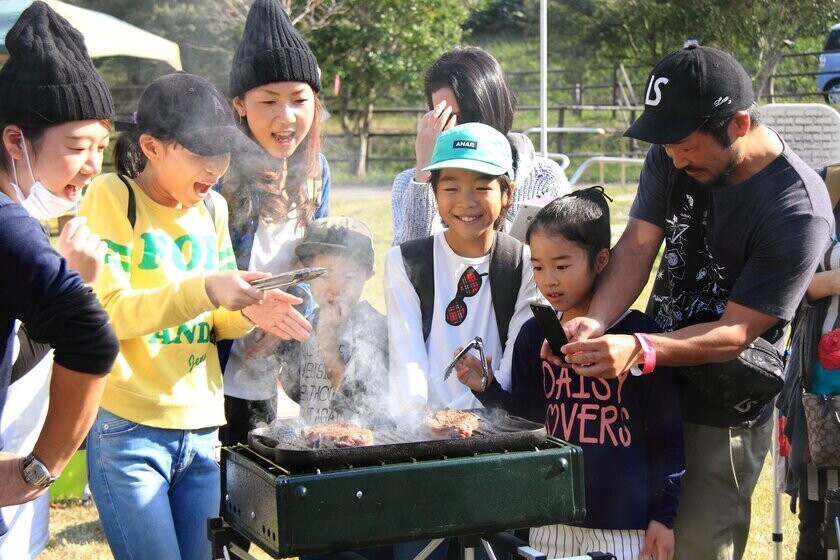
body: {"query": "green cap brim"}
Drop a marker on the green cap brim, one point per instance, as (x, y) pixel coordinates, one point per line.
(483, 167)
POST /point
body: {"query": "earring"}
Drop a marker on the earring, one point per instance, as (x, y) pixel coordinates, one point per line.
(241, 116)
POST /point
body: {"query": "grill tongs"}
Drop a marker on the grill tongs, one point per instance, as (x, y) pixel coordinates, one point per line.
(474, 343)
(286, 279)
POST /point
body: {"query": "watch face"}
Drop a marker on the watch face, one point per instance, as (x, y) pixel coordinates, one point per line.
(36, 473)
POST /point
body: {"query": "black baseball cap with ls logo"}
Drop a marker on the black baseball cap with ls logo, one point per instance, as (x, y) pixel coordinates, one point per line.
(190, 110)
(687, 88)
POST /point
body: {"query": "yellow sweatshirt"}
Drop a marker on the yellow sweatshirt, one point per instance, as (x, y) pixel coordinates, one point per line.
(167, 374)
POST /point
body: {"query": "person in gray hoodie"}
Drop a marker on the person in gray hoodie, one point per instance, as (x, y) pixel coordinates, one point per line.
(465, 85)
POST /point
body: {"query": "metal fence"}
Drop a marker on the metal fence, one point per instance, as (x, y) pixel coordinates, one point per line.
(607, 102)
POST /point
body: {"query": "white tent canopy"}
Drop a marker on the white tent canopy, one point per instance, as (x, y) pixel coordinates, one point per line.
(104, 35)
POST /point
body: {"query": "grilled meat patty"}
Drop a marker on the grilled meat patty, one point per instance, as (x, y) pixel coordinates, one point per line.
(337, 434)
(452, 423)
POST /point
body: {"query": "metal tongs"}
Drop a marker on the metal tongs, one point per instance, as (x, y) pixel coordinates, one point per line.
(474, 343)
(286, 279)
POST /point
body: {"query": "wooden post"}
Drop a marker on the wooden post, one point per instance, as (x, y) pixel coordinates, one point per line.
(561, 119)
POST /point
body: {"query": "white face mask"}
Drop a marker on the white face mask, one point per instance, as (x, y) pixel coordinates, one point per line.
(41, 203)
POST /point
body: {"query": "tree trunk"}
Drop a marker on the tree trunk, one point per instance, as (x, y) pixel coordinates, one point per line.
(361, 162)
(765, 77)
(364, 139)
(348, 127)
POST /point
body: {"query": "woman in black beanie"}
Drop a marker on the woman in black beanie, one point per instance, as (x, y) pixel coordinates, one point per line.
(273, 194)
(55, 115)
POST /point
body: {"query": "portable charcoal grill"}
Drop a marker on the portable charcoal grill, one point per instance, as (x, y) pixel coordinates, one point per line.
(292, 501)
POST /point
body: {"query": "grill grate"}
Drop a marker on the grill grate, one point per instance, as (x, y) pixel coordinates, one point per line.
(497, 432)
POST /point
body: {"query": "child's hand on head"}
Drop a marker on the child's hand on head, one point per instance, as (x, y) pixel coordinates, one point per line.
(231, 289)
(469, 371)
(276, 315)
(659, 542)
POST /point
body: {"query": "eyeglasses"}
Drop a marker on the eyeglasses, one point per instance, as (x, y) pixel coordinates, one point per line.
(468, 286)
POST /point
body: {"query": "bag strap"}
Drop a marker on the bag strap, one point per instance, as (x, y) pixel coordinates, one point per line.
(419, 261)
(505, 280)
(131, 211)
(313, 188)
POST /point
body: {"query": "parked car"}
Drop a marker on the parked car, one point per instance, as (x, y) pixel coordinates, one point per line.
(828, 78)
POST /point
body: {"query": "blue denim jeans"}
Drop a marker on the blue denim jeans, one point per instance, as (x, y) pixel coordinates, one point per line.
(154, 488)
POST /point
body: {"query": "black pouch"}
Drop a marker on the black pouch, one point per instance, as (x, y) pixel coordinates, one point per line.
(744, 385)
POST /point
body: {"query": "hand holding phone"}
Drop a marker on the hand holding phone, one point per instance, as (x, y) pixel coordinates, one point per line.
(551, 328)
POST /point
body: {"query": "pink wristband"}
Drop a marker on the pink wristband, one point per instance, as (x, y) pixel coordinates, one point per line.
(648, 351)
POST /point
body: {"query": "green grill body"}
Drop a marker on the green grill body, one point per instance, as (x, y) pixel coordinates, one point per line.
(290, 514)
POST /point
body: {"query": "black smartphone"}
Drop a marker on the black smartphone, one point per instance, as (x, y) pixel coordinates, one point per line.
(551, 327)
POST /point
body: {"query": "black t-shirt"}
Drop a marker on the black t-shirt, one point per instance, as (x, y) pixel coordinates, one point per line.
(757, 246)
(58, 309)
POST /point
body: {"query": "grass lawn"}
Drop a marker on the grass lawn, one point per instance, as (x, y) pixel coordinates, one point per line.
(75, 531)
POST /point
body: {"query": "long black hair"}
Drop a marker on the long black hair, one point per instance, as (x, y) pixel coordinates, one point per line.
(582, 217)
(479, 85)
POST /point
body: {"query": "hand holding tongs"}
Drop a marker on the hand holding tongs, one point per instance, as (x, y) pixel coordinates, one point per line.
(474, 343)
(286, 279)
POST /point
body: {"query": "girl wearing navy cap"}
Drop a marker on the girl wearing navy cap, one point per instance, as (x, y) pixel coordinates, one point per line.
(171, 287)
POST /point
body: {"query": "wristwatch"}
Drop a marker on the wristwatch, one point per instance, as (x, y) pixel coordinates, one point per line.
(36, 473)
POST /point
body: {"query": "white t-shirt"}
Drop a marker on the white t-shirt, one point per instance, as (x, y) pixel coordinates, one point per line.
(417, 366)
(23, 417)
(273, 251)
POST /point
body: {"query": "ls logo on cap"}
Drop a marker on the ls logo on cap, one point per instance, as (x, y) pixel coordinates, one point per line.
(653, 87)
(469, 144)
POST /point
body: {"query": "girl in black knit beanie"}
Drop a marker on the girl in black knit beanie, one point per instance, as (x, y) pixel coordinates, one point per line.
(274, 84)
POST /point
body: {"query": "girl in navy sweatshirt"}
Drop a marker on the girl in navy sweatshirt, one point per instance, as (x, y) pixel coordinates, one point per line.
(629, 428)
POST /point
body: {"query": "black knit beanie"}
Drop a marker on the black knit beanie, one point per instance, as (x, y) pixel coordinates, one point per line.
(271, 50)
(49, 78)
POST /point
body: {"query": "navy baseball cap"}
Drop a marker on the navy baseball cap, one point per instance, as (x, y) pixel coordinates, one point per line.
(193, 112)
(687, 88)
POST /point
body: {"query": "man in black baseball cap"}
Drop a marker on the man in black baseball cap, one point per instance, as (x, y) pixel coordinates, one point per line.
(743, 220)
(687, 89)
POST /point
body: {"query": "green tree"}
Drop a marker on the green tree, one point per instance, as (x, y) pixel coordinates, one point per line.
(207, 31)
(381, 50)
(642, 31)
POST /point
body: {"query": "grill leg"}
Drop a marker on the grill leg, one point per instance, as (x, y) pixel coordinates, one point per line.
(221, 542)
(488, 549)
(423, 554)
(513, 545)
